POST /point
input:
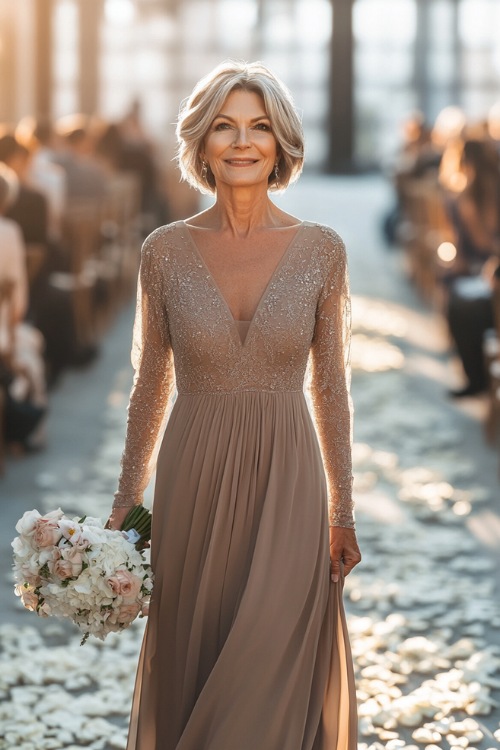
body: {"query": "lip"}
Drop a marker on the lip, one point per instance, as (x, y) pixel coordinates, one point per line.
(241, 162)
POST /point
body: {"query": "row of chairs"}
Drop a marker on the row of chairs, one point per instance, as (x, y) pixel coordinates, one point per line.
(426, 234)
(7, 349)
(429, 242)
(492, 355)
(102, 241)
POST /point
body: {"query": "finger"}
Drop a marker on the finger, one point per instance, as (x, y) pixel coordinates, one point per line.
(335, 568)
(350, 562)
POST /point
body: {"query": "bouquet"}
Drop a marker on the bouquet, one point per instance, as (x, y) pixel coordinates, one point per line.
(77, 569)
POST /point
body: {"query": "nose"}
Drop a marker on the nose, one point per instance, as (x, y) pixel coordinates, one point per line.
(241, 139)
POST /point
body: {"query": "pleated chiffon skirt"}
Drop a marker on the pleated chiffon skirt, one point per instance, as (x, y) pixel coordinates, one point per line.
(246, 646)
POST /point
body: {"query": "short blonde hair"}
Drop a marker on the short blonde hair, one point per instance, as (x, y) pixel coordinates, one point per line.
(199, 110)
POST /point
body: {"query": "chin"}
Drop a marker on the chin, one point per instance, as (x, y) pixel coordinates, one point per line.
(246, 182)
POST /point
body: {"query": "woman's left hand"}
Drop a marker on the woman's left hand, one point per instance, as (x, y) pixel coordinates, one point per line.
(117, 517)
(343, 547)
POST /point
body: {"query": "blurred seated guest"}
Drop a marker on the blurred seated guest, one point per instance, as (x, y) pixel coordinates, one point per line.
(29, 207)
(448, 128)
(475, 212)
(493, 123)
(470, 313)
(22, 369)
(451, 175)
(84, 176)
(109, 149)
(424, 154)
(476, 217)
(132, 128)
(44, 174)
(414, 137)
(138, 156)
(123, 147)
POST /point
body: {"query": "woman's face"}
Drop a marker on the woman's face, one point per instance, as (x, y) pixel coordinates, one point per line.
(240, 147)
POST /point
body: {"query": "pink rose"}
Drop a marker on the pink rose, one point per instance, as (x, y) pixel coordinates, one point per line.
(62, 569)
(127, 613)
(47, 533)
(123, 583)
(69, 565)
(29, 599)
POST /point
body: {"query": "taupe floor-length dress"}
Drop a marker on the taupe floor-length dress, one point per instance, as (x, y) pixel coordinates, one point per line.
(246, 645)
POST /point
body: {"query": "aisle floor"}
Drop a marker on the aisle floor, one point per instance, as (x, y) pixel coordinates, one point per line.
(424, 613)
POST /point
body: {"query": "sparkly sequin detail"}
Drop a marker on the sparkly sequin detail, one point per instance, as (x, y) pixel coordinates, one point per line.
(298, 339)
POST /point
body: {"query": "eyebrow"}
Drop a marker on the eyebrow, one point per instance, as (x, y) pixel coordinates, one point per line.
(228, 117)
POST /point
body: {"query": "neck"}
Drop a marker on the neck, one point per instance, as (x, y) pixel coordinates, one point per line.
(241, 210)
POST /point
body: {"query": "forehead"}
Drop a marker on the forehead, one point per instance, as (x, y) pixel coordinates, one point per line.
(241, 101)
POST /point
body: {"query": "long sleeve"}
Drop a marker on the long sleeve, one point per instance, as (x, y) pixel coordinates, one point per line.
(152, 360)
(330, 381)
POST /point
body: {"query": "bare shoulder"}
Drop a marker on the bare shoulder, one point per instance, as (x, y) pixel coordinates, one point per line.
(288, 220)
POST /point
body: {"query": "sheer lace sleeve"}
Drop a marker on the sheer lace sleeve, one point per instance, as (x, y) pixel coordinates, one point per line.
(330, 381)
(152, 360)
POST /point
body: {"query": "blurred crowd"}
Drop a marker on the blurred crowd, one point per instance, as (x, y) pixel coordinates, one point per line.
(446, 216)
(76, 199)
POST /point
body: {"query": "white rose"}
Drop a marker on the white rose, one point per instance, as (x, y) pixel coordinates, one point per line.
(83, 586)
(92, 535)
(71, 530)
(30, 566)
(54, 515)
(21, 547)
(26, 525)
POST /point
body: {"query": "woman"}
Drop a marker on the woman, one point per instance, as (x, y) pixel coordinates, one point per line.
(246, 644)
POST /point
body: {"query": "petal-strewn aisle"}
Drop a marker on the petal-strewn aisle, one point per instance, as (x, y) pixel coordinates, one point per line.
(424, 610)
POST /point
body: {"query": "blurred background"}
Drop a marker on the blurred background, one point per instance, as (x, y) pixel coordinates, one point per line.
(356, 67)
(400, 101)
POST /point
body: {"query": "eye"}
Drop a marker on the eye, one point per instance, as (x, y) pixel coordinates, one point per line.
(263, 126)
(222, 126)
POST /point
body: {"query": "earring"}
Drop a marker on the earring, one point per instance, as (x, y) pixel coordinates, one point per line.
(276, 171)
(204, 169)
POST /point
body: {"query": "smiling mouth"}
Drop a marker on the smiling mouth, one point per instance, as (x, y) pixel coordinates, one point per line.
(241, 162)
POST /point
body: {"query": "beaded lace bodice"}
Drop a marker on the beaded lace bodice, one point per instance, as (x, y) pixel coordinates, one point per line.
(185, 336)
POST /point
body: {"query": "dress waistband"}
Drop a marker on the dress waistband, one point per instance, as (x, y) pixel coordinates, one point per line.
(237, 392)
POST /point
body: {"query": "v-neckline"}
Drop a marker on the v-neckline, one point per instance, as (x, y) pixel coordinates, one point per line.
(234, 321)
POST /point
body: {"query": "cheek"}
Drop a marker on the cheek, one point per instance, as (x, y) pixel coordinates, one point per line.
(217, 142)
(270, 147)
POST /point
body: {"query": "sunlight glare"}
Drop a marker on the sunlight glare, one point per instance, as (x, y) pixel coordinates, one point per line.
(385, 21)
(119, 11)
(447, 252)
(314, 19)
(231, 16)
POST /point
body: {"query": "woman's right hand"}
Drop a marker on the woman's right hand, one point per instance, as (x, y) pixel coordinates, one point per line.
(117, 517)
